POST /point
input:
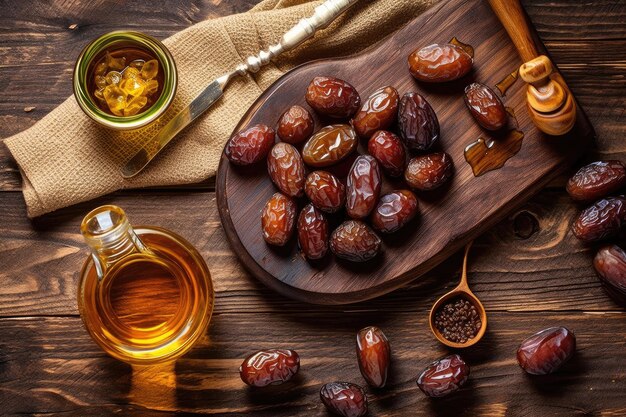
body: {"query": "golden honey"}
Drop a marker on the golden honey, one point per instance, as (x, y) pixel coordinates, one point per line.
(145, 294)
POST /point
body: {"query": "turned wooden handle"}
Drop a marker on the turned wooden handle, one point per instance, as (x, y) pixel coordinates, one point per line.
(550, 103)
(514, 20)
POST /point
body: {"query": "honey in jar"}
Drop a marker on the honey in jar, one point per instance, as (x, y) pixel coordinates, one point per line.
(145, 294)
(125, 81)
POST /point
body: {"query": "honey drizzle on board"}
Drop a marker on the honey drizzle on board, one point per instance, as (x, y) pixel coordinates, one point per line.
(507, 82)
(467, 48)
(486, 155)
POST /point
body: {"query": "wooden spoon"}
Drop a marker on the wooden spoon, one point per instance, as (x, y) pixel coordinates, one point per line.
(462, 290)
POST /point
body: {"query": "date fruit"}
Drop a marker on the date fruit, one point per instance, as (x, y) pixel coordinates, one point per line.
(374, 355)
(610, 264)
(485, 106)
(596, 180)
(378, 112)
(269, 367)
(325, 191)
(329, 145)
(278, 219)
(312, 232)
(286, 169)
(545, 351)
(418, 123)
(439, 63)
(394, 210)
(250, 146)
(344, 399)
(388, 151)
(295, 125)
(332, 97)
(363, 187)
(428, 172)
(354, 241)
(604, 219)
(443, 376)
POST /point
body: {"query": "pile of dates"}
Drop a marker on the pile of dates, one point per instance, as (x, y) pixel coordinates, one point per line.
(601, 182)
(307, 164)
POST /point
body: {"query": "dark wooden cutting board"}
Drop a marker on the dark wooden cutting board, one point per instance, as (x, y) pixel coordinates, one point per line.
(449, 218)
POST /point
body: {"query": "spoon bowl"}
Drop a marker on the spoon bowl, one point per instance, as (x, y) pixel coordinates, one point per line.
(460, 291)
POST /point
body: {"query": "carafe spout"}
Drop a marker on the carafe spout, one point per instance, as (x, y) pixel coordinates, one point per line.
(110, 237)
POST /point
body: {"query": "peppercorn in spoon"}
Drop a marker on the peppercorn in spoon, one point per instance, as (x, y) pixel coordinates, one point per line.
(458, 319)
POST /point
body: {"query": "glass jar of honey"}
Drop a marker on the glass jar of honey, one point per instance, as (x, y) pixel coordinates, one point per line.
(145, 295)
(125, 80)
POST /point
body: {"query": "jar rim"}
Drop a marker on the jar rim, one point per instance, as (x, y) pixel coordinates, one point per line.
(112, 40)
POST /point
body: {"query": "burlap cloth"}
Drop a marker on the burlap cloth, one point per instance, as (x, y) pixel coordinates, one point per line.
(66, 158)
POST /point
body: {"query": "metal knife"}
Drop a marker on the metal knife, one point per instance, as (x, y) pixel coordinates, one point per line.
(324, 14)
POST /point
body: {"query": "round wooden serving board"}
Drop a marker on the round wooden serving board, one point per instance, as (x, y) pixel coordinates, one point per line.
(448, 218)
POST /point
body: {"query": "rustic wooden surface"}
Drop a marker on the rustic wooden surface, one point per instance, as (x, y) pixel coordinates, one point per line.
(440, 229)
(529, 271)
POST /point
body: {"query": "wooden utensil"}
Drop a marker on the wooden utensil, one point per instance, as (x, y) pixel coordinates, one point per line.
(551, 105)
(462, 290)
(449, 217)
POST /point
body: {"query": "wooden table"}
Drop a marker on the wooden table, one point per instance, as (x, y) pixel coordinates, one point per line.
(529, 271)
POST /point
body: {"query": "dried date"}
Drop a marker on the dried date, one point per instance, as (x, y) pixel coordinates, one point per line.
(374, 355)
(363, 187)
(428, 172)
(388, 151)
(604, 219)
(312, 232)
(418, 123)
(286, 169)
(485, 106)
(325, 191)
(278, 219)
(250, 145)
(329, 145)
(269, 367)
(596, 180)
(443, 376)
(344, 399)
(332, 97)
(378, 112)
(355, 241)
(440, 63)
(546, 351)
(394, 210)
(295, 125)
(610, 265)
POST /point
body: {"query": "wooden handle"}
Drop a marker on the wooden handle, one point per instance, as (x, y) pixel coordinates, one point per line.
(550, 103)
(324, 14)
(514, 20)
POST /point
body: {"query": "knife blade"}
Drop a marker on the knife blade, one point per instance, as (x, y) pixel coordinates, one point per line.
(199, 105)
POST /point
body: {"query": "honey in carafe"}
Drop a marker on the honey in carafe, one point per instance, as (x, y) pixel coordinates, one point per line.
(145, 294)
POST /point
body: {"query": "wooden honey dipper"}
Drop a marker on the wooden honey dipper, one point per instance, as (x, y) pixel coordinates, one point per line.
(550, 102)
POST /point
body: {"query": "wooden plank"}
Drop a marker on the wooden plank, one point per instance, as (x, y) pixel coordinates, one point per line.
(51, 365)
(550, 270)
(598, 20)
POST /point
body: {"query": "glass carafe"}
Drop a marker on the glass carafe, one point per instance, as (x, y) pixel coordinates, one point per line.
(145, 294)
